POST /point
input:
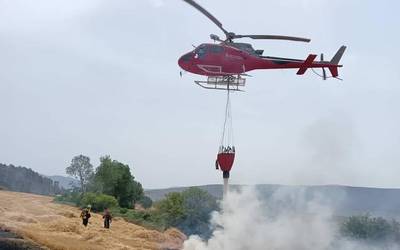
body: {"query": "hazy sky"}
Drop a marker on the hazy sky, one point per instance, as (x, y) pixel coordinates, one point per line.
(99, 77)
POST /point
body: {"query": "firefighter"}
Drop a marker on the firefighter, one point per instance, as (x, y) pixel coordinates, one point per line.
(85, 215)
(107, 218)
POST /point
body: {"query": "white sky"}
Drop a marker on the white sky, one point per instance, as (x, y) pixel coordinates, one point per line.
(101, 77)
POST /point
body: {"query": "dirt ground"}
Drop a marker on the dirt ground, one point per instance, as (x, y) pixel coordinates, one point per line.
(58, 226)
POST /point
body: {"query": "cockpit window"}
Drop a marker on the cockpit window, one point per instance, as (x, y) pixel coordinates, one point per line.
(249, 50)
(201, 52)
(187, 57)
(216, 49)
(245, 46)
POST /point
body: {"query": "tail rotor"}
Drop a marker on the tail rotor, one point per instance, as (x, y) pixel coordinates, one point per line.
(332, 65)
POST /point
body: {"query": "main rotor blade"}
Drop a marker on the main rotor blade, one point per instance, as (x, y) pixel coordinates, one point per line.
(207, 14)
(275, 37)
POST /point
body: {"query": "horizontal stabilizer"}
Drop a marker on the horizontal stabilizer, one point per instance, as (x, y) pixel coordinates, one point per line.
(306, 64)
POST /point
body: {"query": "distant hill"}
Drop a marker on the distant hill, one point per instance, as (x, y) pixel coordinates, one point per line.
(64, 181)
(158, 194)
(343, 200)
(22, 179)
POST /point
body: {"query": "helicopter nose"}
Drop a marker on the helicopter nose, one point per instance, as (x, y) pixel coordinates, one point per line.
(184, 61)
(181, 63)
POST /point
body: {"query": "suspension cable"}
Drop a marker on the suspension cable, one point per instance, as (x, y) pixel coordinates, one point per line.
(227, 132)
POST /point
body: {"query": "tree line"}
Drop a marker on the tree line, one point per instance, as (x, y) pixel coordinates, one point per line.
(22, 179)
(376, 230)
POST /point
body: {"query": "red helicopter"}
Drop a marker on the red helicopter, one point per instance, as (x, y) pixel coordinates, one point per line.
(225, 64)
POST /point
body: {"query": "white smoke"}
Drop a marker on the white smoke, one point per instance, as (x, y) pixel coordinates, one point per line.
(245, 223)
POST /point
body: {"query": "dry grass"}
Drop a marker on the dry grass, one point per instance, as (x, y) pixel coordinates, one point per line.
(59, 227)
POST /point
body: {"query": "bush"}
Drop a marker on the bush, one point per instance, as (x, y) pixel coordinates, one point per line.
(123, 210)
(71, 197)
(190, 211)
(88, 199)
(146, 202)
(148, 219)
(369, 228)
(98, 201)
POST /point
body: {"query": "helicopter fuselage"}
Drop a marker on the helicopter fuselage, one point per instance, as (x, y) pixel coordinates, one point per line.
(238, 58)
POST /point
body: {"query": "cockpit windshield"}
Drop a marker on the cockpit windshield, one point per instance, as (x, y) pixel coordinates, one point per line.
(204, 49)
(187, 57)
(201, 51)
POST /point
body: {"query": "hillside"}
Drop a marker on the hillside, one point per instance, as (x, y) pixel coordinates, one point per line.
(23, 179)
(343, 200)
(58, 226)
(64, 181)
(158, 194)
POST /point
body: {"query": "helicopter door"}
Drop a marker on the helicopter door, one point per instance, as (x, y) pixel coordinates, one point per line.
(234, 63)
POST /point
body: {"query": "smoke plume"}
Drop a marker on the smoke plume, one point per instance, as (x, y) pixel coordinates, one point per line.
(246, 223)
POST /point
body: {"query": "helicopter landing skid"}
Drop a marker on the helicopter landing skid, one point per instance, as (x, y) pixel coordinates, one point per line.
(231, 83)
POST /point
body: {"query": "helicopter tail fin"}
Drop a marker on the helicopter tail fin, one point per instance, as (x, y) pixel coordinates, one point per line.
(335, 62)
(338, 55)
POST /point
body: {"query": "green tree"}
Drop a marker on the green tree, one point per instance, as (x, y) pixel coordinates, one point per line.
(114, 178)
(190, 211)
(137, 192)
(146, 202)
(81, 169)
(98, 202)
(198, 205)
(171, 209)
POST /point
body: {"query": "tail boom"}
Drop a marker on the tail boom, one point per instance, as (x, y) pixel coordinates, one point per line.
(270, 62)
(332, 65)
